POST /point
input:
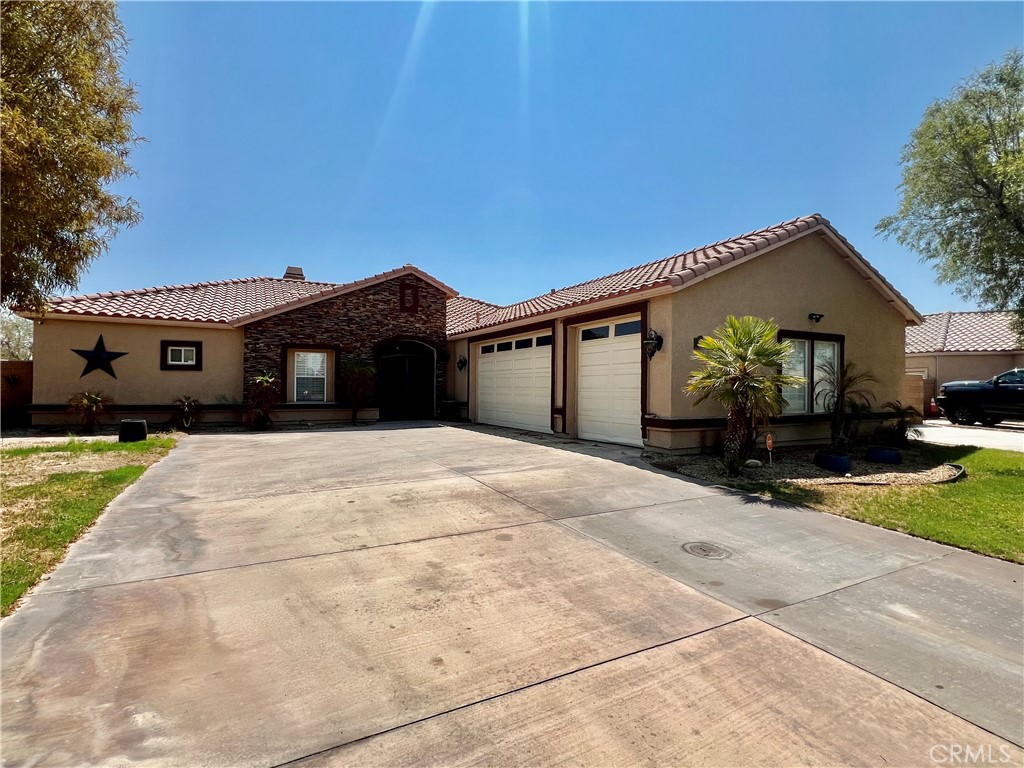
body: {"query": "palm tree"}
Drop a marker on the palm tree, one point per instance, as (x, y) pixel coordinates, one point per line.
(743, 371)
(843, 395)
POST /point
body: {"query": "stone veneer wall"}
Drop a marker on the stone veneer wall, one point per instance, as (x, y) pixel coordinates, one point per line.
(352, 324)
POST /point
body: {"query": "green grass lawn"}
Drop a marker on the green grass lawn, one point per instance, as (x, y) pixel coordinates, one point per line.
(45, 511)
(984, 512)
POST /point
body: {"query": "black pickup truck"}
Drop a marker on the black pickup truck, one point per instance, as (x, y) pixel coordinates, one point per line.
(967, 402)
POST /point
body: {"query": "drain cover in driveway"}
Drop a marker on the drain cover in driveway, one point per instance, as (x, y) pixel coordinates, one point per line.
(706, 550)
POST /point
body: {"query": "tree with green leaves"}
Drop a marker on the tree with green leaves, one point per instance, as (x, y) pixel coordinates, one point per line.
(15, 337)
(67, 134)
(742, 370)
(962, 203)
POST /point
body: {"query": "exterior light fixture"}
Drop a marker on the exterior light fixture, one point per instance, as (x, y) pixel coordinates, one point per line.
(815, 317)
(652, 344)
(461, 363)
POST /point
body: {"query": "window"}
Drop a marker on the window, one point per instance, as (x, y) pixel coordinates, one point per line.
(1011, 377)
(629, 328)
(591, 334)
(544, 341)
(504, 346)
(524, 343)
(812, 357)
(181, 355)
(310, 377)
(487, 349)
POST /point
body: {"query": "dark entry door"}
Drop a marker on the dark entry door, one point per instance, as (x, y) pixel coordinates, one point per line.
(405, 381)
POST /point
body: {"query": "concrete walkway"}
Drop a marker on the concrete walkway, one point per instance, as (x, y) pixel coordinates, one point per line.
(439, 595)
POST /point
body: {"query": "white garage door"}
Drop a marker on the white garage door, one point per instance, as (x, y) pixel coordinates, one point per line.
(514, 382)
(608, 392)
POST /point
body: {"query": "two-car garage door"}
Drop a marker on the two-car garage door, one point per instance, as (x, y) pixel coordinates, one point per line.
(514, 381)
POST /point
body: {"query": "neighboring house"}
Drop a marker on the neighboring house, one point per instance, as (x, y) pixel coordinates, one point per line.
(606, 359)
(959, 346)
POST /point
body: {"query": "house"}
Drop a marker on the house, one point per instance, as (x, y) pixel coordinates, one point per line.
(606, 359)
(961, 346)
(147, 347)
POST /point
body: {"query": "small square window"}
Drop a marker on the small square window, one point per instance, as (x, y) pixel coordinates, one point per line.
(181, 355)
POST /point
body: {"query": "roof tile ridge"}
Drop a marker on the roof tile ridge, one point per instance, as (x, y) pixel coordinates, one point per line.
(816, 217)
(478, 301)
(947, 316)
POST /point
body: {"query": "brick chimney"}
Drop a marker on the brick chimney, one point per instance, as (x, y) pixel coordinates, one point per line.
(294, 273)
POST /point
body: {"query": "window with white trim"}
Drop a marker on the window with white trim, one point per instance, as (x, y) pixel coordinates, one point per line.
(310, 377)
(181, 355)
(810, 359)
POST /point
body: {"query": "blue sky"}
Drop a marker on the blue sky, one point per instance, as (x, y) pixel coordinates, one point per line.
(511, 148)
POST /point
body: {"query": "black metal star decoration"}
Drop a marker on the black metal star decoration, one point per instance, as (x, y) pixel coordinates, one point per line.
(98, 359)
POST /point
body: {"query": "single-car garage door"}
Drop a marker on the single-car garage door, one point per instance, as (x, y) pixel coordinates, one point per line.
(514, 382)
(608, 391)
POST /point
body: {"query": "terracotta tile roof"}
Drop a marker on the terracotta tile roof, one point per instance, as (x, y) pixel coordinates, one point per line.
(224, 302)
(963, 332)
(221, 301)
(465, 313)
(677, 270)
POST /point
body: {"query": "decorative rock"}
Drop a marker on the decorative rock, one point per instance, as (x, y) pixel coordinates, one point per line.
(752, 464)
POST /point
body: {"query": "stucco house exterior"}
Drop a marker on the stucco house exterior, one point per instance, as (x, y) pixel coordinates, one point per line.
(605, 359)
(961, 346)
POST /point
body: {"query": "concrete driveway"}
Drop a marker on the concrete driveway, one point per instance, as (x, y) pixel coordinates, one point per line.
(1008, 436)
(438, 595)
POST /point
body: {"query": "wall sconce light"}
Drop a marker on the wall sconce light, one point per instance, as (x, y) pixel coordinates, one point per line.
(815, 317)
(461, 363)
(652, 344)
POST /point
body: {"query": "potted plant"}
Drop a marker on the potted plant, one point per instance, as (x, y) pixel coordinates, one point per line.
(894, 433)
(843, 394)
(188, 412)
(263, 395)
(89, 406)
(743, 371)
(358, 378)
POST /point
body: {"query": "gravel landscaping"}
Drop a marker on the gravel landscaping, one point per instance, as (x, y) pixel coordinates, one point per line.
(795, 466)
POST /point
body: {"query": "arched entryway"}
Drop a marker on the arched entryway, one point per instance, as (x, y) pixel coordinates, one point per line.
(406, 371)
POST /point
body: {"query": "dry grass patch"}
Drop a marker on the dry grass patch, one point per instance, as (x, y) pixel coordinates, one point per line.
(52, 493)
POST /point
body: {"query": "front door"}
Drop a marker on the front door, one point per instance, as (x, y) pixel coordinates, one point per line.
(405, 381)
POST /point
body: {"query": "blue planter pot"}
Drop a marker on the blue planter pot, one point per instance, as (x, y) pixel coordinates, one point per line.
(833, 462)
(884, 455)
